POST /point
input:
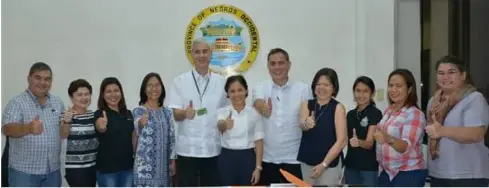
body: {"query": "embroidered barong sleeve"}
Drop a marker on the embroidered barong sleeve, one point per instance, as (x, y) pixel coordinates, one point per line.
(259, 121)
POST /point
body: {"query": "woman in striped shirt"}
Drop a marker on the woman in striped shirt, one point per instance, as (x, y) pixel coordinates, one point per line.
(78, 127)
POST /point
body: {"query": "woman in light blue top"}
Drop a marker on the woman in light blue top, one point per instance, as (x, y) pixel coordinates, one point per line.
(458, 116)
(154, 161)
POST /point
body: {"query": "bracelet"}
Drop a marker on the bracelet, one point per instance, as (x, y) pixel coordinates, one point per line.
(259, 168)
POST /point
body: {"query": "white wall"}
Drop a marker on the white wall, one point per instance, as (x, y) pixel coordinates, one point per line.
(94, 39)
(408, 51)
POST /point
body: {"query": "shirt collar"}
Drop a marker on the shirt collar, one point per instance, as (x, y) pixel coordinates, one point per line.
(287, 84)
(198, 76)
(34, 98)
(390, 112)
(234, 111)
(367, 107)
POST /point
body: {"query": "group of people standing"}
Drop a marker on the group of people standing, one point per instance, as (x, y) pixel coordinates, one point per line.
(224, 141)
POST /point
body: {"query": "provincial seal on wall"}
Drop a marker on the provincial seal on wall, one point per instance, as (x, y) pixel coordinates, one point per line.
(232, 35)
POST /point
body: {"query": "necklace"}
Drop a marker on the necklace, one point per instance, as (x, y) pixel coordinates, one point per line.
(318, 108)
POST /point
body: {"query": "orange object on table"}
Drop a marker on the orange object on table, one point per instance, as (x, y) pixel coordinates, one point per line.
(294, 180)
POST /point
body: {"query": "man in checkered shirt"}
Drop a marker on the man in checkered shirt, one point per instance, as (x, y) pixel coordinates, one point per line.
(31, 121)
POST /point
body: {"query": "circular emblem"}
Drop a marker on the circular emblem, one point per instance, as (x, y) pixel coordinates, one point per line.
(232, 35)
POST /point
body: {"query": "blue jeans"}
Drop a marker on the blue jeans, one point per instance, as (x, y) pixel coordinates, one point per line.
(412, 178)
(358, 177)
(115, 179)
(21, 179)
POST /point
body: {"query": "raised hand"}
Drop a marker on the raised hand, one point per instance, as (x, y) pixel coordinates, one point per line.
(35, 126)
(68, 115)
(354, 140)
(229, 120)
(143, 121)
(101, 122)
(189, 111)
(380, 136)
(267, 108)
(433, 129)
(311, 120)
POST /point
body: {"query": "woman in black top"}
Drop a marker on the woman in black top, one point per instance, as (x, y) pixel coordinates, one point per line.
(324, 135)
(360, 164)
(115, 128)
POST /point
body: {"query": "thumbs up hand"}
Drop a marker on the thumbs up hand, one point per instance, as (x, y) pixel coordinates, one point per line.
(434, 129)
(143, 121)
(36, 126)
(354, 142)
(101, 122)
(68, 115)
(311, 120)
(380, 136)
(267, 108)
(229, 120)
(189, 111)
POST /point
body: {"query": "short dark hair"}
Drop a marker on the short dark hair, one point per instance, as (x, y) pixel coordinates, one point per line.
(450, 59)
(236, 78)
(79, 83)
(408, 77)
(331, 76)
(102, 104)
(142, 91)
(460, 64)
(278, 50)
(368, 82)
(40, 66)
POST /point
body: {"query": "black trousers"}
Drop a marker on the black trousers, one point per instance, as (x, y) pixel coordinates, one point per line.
(480, 182)
(5, 164)
(197, 172)
(271, 173)
(236, 167)
(81, 177)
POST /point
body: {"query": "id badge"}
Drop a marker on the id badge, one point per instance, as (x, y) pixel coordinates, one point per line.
(201, 111)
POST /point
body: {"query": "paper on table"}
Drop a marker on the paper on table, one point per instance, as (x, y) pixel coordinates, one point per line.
(282, 185)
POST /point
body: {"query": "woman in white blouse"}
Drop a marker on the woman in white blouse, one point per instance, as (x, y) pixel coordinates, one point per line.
(242, 137)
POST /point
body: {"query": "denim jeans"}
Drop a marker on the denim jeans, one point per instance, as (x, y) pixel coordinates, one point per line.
(358, 177)
(115, 179)
(412, 178)
(22, 179)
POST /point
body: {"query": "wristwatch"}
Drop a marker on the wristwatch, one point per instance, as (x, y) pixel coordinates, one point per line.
(324, 164)
(259, 168)
(390, 140)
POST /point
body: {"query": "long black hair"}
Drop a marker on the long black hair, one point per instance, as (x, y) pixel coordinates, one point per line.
(368, 82)
(102, 104)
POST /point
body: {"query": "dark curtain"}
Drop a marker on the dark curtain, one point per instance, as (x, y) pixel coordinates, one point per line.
(5, 164)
